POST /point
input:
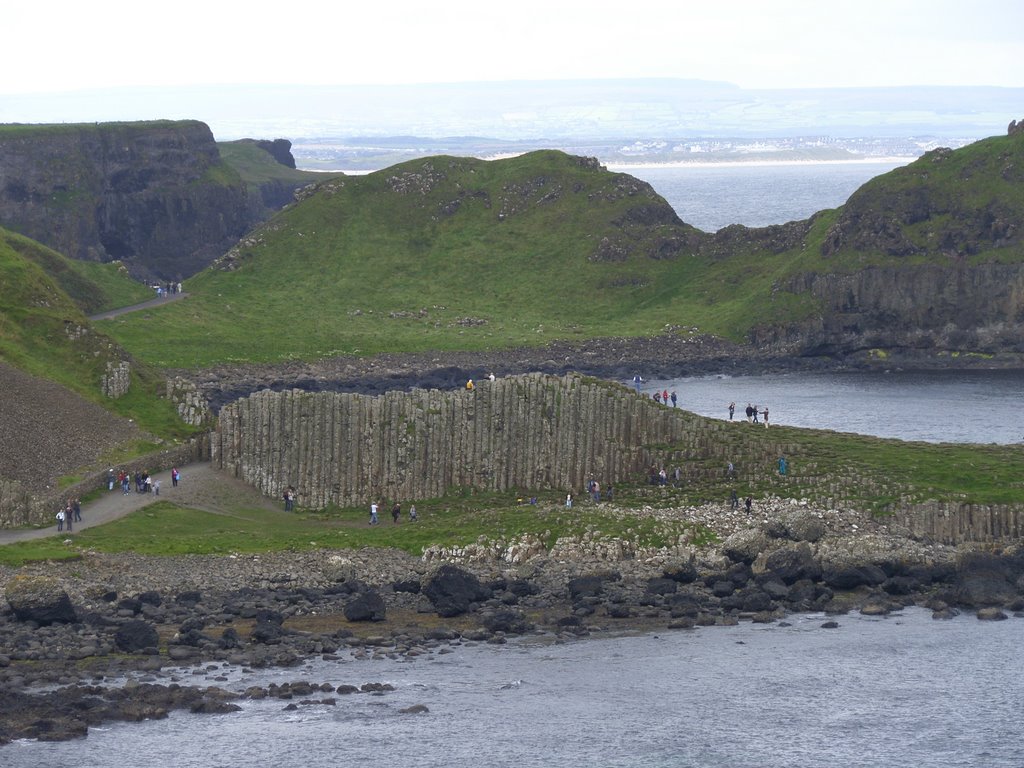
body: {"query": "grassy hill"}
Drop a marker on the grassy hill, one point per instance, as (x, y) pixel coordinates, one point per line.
(45, 333)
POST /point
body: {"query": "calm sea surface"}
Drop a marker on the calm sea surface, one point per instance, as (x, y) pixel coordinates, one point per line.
(933, 406)
(712, 197)
(898, 692)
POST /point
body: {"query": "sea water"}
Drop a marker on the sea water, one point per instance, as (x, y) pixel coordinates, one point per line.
(930, 406)
(710, 197)
(903, 691)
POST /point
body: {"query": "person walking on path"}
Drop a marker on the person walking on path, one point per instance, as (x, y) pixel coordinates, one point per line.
(373, 513)
(60, 519)
(76, 509)
(734, 500)
(174, 477)
(396, 512)
(749, 503)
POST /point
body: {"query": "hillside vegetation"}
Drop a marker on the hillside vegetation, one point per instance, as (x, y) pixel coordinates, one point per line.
(454, 253)
(45, 333)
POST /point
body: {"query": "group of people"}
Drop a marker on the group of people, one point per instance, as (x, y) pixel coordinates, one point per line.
(169, 289)
(142, 480)
(396, 513)
(471, 386)
(752, 412)
(69, 514)
(665, 397)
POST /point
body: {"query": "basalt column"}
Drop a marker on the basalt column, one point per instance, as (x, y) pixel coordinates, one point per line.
(530, 432)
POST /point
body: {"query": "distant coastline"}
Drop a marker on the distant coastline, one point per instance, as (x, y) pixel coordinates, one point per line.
(626, 167)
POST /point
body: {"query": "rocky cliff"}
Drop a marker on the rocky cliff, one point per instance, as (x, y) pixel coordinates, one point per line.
(154, 195)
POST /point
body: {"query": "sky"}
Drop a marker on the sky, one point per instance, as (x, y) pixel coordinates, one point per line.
(52, 46)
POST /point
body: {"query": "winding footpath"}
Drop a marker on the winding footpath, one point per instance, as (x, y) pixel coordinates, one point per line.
(195, 478)
(157, 302)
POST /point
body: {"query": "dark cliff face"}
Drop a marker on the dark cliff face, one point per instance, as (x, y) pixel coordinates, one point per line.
(928, 308)
(153, 195)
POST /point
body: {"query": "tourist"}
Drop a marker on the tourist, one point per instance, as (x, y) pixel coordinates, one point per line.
(734, 500)
(662, 477)
(765, 414)
(76, 508)
(373, 513)
(396, 512)
(69, 515)
(156, 487)
(110, 479)
(60, 519)
(595, 490)
(413, 517)
(755, 414)
(637, 381)
(732, 410)
(749, 503)
(783, 465)
(610, 493)
(730, 470)
(490, 376)
(174, 477)
(750, 412)
(673, 396)
(664, 396)
(657, 397)
(568, 500)
(469, 385)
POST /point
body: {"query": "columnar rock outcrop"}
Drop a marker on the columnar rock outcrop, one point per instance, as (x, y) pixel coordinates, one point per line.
(530, 431)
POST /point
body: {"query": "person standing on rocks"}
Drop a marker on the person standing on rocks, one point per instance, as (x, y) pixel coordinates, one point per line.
(373, 513)
(734, 500)
(637, 381)
(783, 465)
(749, 503)
(674, 398)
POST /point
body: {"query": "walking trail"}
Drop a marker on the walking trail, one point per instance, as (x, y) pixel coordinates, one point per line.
(157, 302)
(200, 487)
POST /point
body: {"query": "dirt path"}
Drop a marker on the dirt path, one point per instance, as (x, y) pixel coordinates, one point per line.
(200, 487)
(135, 307)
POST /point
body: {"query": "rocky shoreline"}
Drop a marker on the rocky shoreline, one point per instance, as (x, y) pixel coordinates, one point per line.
(676, 354)
(70, 632)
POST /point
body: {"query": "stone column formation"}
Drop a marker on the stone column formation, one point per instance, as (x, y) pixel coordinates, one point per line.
(525, 432)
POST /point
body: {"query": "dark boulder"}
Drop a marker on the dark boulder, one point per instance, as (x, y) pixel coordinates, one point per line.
(851, 577)
(684, 573)
(585, 586)
(507, 621)
(792, 563)
(40, 599)
(136, 635)
(661, 586)
(452, 591)
(267, 633)
(367, 606)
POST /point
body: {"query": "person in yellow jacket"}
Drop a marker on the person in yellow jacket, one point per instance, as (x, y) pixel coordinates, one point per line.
(469, 384)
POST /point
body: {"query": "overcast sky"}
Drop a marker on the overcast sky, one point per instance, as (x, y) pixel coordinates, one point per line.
(66, 45)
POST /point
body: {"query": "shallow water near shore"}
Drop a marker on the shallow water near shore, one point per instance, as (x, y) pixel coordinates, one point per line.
(930, 406)
(902, 690)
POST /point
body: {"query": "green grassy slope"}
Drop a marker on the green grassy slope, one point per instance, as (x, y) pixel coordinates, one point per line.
(256, 166)
(45, 333)
(438, 254)
(454, 253)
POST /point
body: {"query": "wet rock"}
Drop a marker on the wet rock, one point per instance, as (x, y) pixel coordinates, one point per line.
(991, 614)
(452, 590)
(367, 606)
(136, 636)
